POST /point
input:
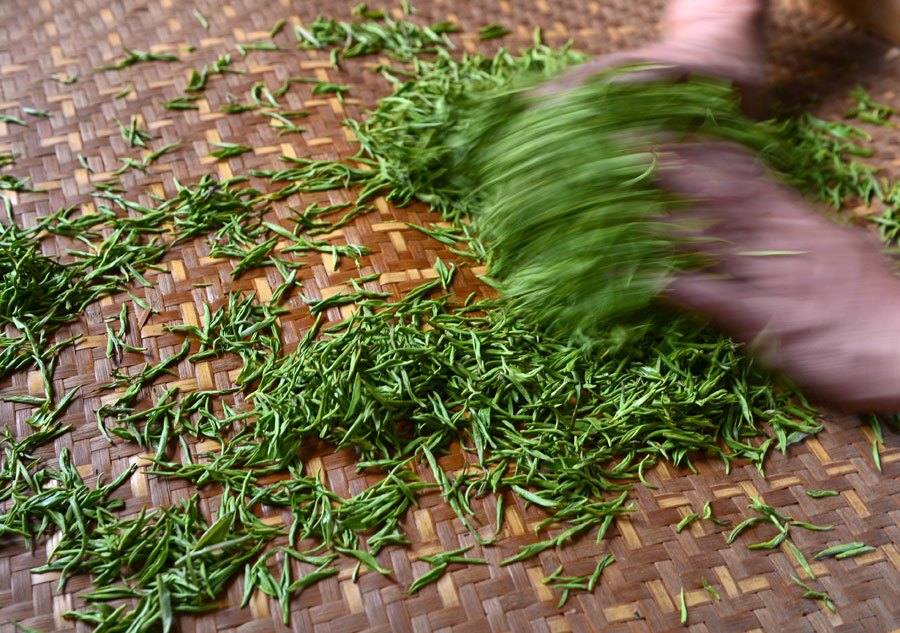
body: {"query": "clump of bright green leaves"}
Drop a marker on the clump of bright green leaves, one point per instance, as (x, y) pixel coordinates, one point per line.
(580, 232)
(579, 229)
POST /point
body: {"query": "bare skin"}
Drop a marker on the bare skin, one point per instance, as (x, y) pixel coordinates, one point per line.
(718, 38)
(813, 299)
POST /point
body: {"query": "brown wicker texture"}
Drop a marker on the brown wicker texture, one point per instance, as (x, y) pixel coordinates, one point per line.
(640, 591)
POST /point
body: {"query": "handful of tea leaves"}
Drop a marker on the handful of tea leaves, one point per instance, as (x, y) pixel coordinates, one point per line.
(580, 231)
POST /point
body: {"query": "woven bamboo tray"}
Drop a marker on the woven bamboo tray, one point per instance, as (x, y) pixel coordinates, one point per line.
(814, 51)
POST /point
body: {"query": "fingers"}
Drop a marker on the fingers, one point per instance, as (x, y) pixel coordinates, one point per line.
(710, 170)
(732, 304)
(701, 293)
(577, 76)
(673, 60)
(843, 350)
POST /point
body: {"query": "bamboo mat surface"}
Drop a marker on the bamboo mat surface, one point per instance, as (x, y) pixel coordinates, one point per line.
(640, 592)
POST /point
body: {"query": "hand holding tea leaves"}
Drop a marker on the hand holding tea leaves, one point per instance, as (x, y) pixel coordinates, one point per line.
(812, 298)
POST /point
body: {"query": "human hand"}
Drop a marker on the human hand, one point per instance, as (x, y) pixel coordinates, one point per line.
(813, 299)
(717, 38)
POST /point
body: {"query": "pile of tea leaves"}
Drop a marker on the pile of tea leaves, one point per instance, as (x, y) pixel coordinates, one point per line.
(562, 426)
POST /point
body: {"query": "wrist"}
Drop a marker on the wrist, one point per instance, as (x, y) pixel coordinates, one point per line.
(680, 12)
(733, 27)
